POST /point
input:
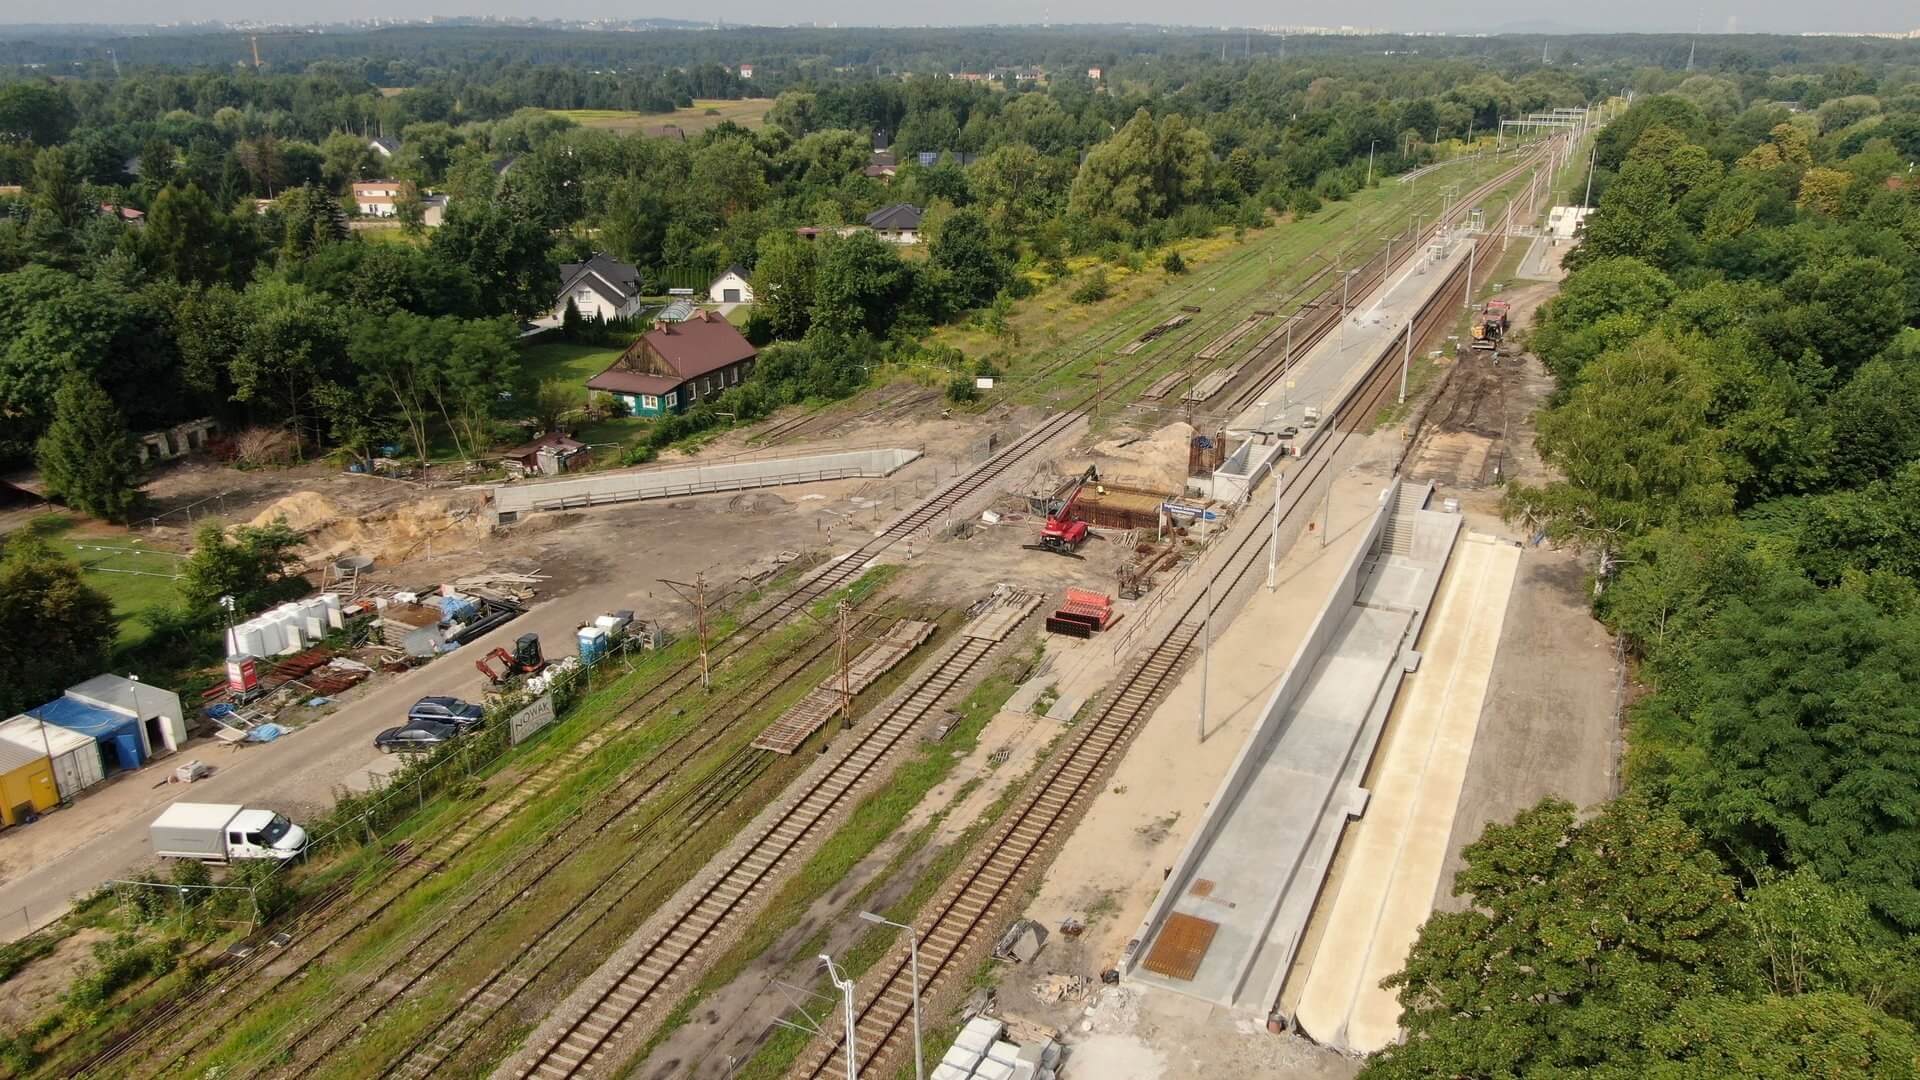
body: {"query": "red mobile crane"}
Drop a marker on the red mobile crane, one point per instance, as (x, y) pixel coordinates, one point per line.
(1064, 533)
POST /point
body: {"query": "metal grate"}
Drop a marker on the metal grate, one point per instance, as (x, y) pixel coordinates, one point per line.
(1182, 944)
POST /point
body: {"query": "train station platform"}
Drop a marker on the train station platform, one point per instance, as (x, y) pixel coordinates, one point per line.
(1394, 854)
(1230, 917)
(1323, 376)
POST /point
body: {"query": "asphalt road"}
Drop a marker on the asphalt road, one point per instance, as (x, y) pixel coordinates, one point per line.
(103, 835)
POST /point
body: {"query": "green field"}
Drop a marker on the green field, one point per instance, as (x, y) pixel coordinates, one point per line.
(135, 580)
(749, 113)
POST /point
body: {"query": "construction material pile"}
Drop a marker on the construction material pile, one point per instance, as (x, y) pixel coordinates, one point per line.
(1155, 462)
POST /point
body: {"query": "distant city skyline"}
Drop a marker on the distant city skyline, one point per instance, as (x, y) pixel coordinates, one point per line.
(1393, 16)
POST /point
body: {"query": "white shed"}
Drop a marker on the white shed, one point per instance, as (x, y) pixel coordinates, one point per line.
(731, 287)
(76, 757)
(163, 724)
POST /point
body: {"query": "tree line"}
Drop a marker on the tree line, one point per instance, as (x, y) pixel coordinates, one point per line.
(1739, 451)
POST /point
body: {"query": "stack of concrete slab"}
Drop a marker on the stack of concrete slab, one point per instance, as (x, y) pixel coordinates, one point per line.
(981, 1053)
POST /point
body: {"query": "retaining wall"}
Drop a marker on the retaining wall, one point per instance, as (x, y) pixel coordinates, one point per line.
(600, 489)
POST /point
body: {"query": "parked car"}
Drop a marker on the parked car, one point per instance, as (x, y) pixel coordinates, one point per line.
(447, 710)
(414, 736)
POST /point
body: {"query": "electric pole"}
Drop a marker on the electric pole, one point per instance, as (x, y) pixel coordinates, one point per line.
(696, 594)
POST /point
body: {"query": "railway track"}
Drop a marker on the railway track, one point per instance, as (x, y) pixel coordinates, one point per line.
(970, 912)
(411, 867)
(658, 966)
(628, 792)
(659, 833)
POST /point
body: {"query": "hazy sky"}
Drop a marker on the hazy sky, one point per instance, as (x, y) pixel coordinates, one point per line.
(1757, 16)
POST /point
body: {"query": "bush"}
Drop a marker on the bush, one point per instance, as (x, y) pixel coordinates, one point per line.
(1173, 263)
(962, 390)
(1093, 288)
(117, 964)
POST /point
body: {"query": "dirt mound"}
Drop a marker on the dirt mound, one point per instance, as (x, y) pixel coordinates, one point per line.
(444, 523)
(1156, 461)
(302, 509)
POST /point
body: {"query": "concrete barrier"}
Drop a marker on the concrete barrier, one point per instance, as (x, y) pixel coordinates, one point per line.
(600, 489)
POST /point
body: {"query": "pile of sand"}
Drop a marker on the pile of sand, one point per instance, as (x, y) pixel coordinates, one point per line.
(1155, 462)
(302, 509)
(446, 523)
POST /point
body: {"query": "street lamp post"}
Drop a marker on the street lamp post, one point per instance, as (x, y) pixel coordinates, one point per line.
(845, 986)
(1370, 147)
(913, 947)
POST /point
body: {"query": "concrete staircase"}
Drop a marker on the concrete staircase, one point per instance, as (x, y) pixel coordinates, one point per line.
(1397, 537)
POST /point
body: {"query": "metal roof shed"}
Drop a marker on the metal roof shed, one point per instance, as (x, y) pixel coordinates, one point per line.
(117, 733)
(76, 757)
(26, 784)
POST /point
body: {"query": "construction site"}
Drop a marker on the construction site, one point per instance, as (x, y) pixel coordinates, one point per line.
(1127, 726)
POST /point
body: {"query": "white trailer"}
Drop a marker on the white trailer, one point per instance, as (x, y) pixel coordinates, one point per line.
(221, 832)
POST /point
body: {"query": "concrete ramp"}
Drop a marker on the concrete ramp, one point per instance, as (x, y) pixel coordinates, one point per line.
(600, 489)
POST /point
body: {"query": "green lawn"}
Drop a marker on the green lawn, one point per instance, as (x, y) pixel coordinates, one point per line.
(576, 364)
(133, 580)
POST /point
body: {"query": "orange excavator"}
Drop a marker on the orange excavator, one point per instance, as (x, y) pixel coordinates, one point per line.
(525, 659)
(1063, 533)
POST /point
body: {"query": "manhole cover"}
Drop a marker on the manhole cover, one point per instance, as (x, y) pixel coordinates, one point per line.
(1182, 944)
(1202, 887)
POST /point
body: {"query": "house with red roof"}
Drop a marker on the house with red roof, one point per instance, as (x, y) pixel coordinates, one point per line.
(677, 365)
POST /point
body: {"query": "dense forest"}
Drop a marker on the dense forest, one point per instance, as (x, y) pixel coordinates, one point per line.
(1737, 431)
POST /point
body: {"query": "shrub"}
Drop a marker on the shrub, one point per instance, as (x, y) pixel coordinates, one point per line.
(1093, 288)
(962, 390)
(1173, 263)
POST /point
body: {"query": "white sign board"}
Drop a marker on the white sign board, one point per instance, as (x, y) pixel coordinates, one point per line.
(530, 720)
(983, 382)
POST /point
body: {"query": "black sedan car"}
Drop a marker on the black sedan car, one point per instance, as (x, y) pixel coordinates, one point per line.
(417, 735)
(447, 710)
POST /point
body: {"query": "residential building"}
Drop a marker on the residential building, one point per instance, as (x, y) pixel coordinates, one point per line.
(1093, 73)
(675, 366)
(380, 198)
(433, 211)
(896, 224)
(386, 148)
(746, 71)
(601, 287)
(731, 287)
(125, 213)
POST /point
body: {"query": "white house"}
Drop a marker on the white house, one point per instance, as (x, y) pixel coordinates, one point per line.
(433, 211)
(601, 286)
(897, 224)
(386, 148)
(746, 71)
(731, 287)
(379, 198)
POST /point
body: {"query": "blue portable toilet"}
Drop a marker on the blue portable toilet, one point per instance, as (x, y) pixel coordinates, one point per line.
(117, 733)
